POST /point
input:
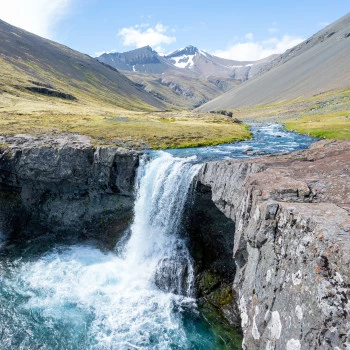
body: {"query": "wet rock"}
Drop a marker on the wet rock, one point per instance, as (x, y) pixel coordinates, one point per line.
(172, 275)
(291, 245)
(247, 150)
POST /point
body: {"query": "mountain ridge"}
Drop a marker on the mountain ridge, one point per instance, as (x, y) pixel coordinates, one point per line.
(187, 77)
(137, 59)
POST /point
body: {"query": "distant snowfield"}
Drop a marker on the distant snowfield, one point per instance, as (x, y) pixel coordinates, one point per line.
(184, 61)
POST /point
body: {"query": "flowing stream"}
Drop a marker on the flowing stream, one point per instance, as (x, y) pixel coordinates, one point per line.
(139, 296)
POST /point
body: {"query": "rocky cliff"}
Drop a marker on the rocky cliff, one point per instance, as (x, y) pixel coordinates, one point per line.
(65, 186)
(291, 245)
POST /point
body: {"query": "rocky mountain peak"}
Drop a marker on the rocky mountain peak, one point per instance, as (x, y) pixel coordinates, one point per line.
(188, 50)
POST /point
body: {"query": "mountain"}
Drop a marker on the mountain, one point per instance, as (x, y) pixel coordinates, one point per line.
(37, 69)
(188, 59)
(319, 64)
(187, 77)
(206, 64)
(144, 60)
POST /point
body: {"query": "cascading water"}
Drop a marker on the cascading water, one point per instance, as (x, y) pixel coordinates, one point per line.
(156, 232)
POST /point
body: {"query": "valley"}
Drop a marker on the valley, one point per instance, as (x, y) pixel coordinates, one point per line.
(188, 77)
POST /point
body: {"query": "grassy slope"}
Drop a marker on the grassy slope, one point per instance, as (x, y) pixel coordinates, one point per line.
(25, 112)
(328, 119)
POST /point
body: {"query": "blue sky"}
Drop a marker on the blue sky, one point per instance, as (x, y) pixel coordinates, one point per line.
(233, 29)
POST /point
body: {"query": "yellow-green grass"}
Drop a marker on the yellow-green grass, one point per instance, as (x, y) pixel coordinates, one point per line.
(136, 130)
(323, 103)
(330, 126)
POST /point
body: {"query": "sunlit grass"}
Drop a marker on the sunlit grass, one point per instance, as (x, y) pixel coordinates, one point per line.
(330, 126)
(157, 130)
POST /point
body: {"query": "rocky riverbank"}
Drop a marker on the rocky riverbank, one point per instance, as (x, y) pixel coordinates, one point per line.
(291, 245)
(65, 186)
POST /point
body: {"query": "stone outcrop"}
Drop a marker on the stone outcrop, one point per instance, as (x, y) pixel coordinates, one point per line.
(64, 185)
(291, 245)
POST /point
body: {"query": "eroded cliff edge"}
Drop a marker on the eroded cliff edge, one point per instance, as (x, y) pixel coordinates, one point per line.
(65, 186)
(291, 245)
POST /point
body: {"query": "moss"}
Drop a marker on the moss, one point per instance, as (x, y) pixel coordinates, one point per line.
(207, 282)
(227, 337)
(10, 196)
(222, 296)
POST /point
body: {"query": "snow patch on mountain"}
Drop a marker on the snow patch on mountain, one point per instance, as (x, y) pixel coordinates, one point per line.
(184, 61)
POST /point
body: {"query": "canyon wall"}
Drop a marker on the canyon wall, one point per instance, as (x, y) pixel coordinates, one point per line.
(291, 245)
(64, 186)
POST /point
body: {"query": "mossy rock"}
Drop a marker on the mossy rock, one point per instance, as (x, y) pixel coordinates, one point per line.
(227, 337)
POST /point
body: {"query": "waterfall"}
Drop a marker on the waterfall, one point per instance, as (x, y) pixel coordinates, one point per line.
(156, 233)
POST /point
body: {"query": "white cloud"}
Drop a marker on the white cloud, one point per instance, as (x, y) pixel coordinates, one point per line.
(255, 50)
(36, 16)
(249, 36)
(143, 35)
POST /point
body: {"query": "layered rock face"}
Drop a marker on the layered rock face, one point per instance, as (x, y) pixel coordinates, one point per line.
(64, 185)
(292, 245)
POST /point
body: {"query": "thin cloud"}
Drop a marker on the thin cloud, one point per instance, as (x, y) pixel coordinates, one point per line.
(140, 35)
(255, 50)
(36, 16)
